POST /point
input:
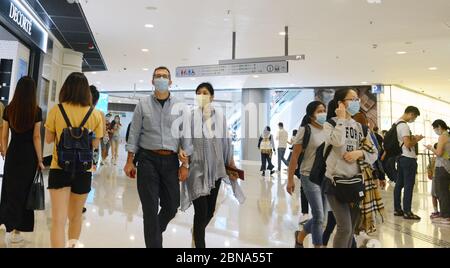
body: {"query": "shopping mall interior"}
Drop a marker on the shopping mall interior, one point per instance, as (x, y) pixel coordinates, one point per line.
(267, 60)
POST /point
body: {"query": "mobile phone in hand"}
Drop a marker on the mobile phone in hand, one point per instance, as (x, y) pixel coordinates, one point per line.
(133, 174)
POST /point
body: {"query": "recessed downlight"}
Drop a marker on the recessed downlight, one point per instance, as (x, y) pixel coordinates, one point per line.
(144, 50)
(145, 69)
(149, 26)
(401, 52)
(433, 68)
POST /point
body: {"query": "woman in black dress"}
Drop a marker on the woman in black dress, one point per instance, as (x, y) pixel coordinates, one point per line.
(22, 157)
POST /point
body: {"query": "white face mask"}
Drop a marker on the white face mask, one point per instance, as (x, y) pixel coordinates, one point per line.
(203, 100)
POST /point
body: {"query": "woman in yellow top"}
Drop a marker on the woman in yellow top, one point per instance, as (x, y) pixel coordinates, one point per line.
(68, 196)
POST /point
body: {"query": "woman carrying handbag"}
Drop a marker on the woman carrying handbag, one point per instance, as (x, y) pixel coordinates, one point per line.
(22, 156)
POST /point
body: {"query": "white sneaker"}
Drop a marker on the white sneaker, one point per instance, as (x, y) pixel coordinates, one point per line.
(72, 243)
(15, 238)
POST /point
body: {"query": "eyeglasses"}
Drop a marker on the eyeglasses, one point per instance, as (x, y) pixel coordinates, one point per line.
(165, 76)
(354, 99)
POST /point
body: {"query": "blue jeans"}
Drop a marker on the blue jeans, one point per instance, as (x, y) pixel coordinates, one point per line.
(407, 171)
(317, 202)
(281, 153)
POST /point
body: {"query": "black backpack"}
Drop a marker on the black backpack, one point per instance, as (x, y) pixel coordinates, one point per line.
(306, 138)
(391, 145)
(320, 162)
(75, 151)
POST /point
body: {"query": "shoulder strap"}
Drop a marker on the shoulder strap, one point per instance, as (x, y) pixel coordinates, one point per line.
(87, 117)
(64, 114)
(332, 122)
(306, 136)
(365, 130)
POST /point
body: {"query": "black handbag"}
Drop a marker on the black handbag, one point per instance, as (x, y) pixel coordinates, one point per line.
(349, 190)
(36, 196)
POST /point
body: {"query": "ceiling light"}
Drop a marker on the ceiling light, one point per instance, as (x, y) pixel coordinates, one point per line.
(94, 72)
(432, 68)
(144, 69)
(401, 52)
(144, 50)
(141, 81)
(149, 26)
(256, 76)
(282, 33)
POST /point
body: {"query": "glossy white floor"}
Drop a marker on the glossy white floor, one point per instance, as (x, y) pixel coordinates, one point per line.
(268, 218)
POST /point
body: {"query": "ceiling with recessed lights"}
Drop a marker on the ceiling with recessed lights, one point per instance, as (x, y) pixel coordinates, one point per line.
(346, 42)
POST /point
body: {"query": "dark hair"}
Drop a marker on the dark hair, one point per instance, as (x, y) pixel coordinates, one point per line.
(162, 68)
(334, 103)
(294, 132)
(267, 128)
(435, 146)
(113, 123)
(280, 124)
(442, 124)
(23, 108)
(412, 110)
(208, 86)
(376, 129)
(76, 90)
(361, 118)
(310, 110)
(95, 95)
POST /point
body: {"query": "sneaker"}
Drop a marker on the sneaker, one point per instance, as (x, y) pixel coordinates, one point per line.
(15, 238)
(435, 215)
(411, 216)
(399, 213)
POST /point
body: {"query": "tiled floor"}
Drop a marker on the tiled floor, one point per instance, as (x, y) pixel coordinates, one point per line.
(268, 218)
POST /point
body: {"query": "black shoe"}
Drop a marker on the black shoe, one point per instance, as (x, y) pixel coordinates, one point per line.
(272, 171)
(399, 213)
(263, 174)
(84, 210)
(411, 216)
(297, 244)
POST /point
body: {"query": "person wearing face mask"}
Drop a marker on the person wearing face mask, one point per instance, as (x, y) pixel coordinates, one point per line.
(267, 147)
(157, 146)
(406, 164)
(115, 140)
(212, 151)
(442, 172)
(312, 123)
(350, 145)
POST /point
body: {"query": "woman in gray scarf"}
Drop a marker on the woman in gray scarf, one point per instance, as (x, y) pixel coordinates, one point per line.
(212, 152)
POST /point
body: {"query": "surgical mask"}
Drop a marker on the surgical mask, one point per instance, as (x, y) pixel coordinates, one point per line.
(266, 133)
(321, 118)
(354, 107)
(203, 100)
(162, 84)
(438, 132)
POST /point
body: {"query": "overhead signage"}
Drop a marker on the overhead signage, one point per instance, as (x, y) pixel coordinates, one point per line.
(14, 13)
(275, 67)
(377, 89)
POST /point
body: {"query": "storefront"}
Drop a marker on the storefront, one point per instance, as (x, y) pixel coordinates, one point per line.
(23, 43)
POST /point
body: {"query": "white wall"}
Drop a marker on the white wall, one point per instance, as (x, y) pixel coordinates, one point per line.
(14, 50)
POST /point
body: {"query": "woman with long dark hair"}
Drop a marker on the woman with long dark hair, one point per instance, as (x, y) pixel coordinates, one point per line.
(115, 140)
(23, 156)
(312, 124)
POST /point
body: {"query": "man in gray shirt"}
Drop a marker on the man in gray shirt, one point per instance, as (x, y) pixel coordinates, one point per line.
(153, 143)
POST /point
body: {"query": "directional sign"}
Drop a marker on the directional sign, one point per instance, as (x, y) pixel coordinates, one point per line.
(275, 67)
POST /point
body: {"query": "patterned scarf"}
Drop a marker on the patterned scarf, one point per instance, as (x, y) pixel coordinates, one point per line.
(372, 202)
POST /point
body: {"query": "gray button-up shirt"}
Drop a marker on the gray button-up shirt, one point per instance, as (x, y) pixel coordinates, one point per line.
(157, 128)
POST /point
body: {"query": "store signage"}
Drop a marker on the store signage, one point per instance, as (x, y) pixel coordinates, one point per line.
(19, 19)
(377, 89)
(233, 69)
